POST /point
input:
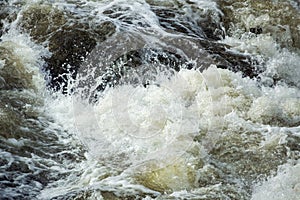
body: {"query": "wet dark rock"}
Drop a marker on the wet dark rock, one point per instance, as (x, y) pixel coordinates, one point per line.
(147, 62)
(12, 185)
(196, 23)
(3, 162)
(170, 20)
(125, 17)
(104, 30)
(207, 53)
(27, 151)
(19, 166)
(69, 48)
(43, 177)
(139, 67)
(225, 59)
(42, 20)
(116, 12)
(211, 28)
(69, 39)
(3, 177)
(256, 30)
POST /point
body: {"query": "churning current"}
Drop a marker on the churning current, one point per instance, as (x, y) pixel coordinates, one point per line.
(150, 99)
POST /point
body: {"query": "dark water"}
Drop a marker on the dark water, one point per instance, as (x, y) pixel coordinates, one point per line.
(150, 99)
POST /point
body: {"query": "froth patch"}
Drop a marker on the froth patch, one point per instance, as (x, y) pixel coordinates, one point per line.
(159, 136)
(285, 185)
(277, 106)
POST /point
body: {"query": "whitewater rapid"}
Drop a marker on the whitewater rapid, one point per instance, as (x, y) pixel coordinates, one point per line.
(153, 131)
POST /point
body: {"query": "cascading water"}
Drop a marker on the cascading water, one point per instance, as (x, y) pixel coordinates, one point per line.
(149, 99)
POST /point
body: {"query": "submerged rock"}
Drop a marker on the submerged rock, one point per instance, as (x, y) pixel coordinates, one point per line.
(188, 18)
(69, 48)
(141, 66)
(41, 20)
(256, 30)
(225, 59)
(69, 39)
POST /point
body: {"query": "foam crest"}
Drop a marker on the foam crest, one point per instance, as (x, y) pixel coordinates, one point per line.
(285, 185)
(149, 133)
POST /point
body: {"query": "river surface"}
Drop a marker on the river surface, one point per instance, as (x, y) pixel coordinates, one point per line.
(150, 99)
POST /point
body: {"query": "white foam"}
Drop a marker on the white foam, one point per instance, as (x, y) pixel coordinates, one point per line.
(248, 43)
(133, 129)
(285, 66)
(284, 186)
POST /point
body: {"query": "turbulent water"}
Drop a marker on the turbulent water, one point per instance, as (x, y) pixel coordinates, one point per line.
(150, 99)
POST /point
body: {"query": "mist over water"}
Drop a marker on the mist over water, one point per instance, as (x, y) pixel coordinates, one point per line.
(150, 99)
